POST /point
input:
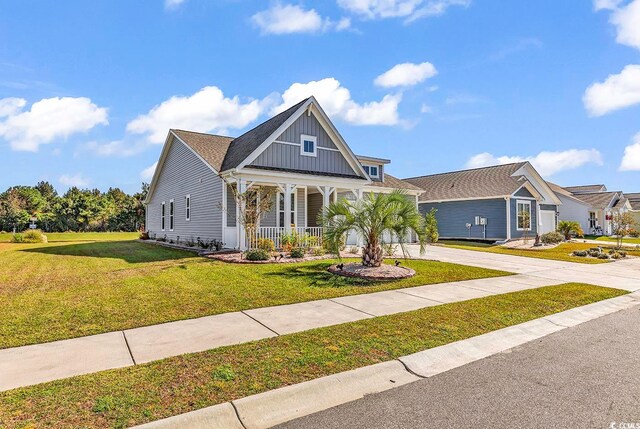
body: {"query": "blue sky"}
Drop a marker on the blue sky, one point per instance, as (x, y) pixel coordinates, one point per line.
(88, 90)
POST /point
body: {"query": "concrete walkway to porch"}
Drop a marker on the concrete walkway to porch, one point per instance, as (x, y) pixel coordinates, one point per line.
(23, 366)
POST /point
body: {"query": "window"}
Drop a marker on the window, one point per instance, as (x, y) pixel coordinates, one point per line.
(281, 210)
(187, 205)
(308, 145)
(593, 220)
(371, 170)
(523, 210)
(170, 215)
(162, 215)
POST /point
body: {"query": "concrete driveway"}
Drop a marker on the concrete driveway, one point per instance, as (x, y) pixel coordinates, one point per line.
(582, 377)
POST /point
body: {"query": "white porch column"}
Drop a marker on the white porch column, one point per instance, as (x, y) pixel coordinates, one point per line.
(326, 193)
(288, 189)
(242, 235)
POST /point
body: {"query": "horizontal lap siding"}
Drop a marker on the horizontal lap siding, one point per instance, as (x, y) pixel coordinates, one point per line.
(453, 216)
(184, 173)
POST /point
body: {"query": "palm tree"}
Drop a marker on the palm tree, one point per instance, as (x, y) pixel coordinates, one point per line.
(372, 217)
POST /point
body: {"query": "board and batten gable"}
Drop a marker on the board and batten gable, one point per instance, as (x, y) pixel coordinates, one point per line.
(453, 217)
(285, 152)
(182, 174)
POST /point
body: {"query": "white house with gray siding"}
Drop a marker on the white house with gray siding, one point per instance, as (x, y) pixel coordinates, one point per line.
(298, 152)
(497, 203)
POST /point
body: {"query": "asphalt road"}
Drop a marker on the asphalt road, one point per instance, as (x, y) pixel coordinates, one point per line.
(587, 376)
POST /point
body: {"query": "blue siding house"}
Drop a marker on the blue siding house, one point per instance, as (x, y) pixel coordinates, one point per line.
(497, 203)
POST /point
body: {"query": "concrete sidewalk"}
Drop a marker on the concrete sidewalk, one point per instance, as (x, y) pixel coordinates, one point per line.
(22, 366)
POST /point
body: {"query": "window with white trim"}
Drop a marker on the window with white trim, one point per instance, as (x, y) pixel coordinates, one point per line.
(308, 145)
(187, 207)
(593, 220)
(371, 170)
(281, 210)
(171, 211)
(162, 216)
(523, 210)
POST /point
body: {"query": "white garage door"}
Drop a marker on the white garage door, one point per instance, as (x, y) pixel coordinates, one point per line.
(548, 218)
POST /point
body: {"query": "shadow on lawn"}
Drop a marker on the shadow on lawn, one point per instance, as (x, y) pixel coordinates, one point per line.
(318, 276)
(129, 251)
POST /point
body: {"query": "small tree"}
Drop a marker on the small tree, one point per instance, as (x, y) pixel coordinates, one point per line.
(431, 226)
(524, 222)
(621, 224)
(373, 217)
(567, 228)
(254, 204)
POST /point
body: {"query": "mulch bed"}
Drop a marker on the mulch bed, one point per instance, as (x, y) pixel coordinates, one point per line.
(383, 272)
(238, 258)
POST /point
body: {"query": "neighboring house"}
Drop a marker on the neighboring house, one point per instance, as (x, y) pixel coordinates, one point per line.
(298, 152)
(634, 203)
(592, 206)
(501, 202)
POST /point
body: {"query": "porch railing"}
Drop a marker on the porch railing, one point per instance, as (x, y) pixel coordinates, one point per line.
(301, 236)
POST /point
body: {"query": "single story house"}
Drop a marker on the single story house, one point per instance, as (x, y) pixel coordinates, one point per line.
(634, 202)
(502, 202)
(299, 153)
(592, 206)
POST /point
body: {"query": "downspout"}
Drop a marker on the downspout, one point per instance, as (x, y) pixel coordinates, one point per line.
(508, 201)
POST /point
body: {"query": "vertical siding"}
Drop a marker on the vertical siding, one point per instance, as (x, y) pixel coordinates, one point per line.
(524, 192)
(231, 205)
(302, 207)
(514, 220)
(288, 156)
(314, 208)
(453, 216)
(184, 173)
(269, 219)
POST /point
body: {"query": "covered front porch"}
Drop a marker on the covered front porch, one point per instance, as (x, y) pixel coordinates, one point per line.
(295, 209)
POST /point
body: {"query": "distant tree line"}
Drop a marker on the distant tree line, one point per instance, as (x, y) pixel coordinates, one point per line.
(76, 210)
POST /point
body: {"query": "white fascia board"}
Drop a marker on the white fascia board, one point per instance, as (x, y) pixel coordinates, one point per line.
(163, 156)
(297, 178)
(495, 197)
(549, 197)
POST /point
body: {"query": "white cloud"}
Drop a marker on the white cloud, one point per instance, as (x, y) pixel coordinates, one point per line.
(147, 173)
(547, 163)
(288, 19)
(409, 9)
(616, 92)
(337, 102)
(406, 74)
(627, 22)
(605, 4)
(11, 106)
(77, 180)
(208, 110)
(48, 119)
(425, 108)
(172, 4)
(631, 158)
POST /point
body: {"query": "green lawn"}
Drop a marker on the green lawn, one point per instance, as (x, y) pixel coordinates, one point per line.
(628, 240)
(52, 237)
(70, 289)
(129, 396)
(562, 252)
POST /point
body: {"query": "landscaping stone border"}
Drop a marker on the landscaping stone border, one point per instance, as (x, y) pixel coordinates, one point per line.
(235, 257)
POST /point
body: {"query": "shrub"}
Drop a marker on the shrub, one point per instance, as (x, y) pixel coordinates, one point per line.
(580, 253)
(389, 249)
(317, 251)
(297, 252)
(603, 256)
(29, 236)
(634, 233)
(569, 228)
(353, 250)
(266, 244)
(431, 226)
(622, 253)
(144, 235)
(594, 253)
(256, 255)
(551, 238)
(616, 255)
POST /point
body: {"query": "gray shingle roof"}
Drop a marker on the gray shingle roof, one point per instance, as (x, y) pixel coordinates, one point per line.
(210, 147)
(395, 183)
(634, 200)
(486, 182)
(585, 188)
(560, 191)
(241, 147)
(598, 200)
(620, 203)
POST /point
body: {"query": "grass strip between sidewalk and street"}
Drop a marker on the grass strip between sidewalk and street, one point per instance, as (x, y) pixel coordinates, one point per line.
(134, 395)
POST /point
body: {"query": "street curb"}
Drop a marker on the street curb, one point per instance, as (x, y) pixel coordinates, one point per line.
(267, 409)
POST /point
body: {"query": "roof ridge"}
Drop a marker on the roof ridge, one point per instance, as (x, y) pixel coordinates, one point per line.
(467, 169)
(204, 134)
